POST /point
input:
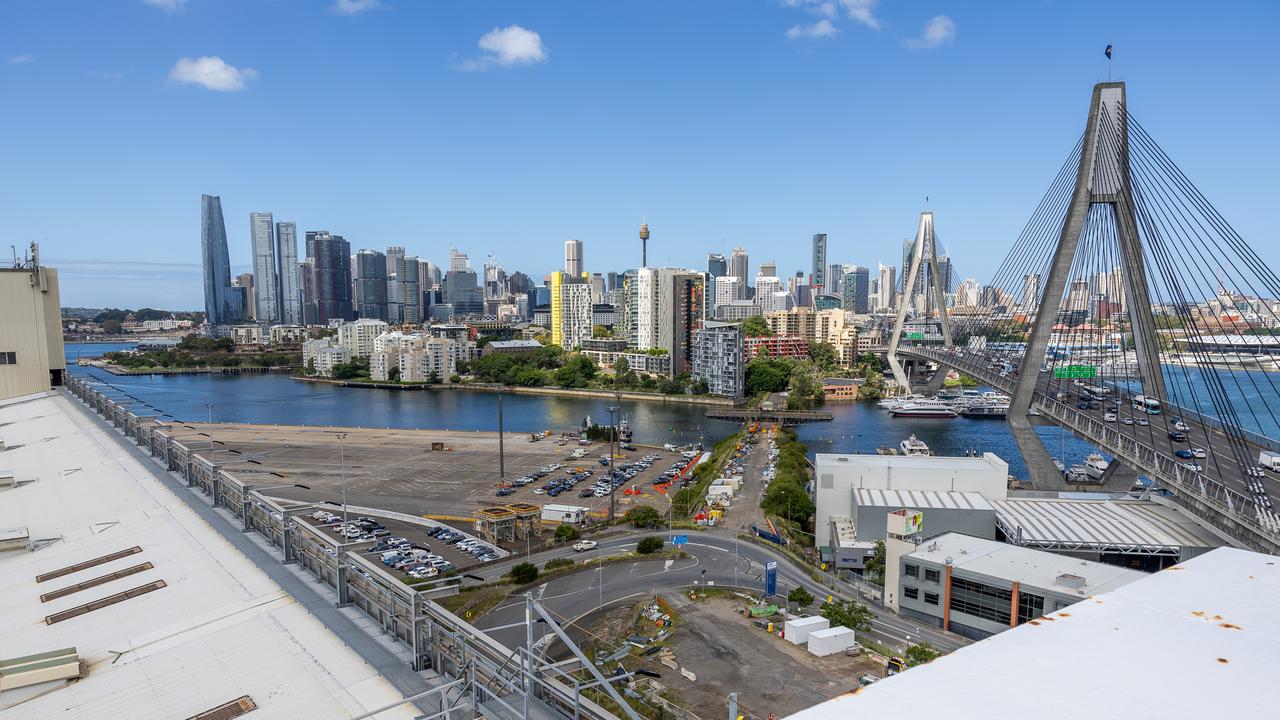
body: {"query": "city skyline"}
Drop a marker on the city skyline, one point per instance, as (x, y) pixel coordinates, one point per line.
(859, 170)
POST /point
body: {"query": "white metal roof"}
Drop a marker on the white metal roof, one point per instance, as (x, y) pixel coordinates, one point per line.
(1134, 526)
(925, 499)
(1198, 640)
(1029, 567)
(219, 629)
(909, 462)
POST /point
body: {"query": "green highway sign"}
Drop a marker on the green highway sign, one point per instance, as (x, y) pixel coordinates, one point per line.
(915, 336)
(1081, 372)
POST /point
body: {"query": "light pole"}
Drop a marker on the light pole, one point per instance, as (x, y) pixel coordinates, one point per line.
(613, 488)
(502, 470)
(342, 464)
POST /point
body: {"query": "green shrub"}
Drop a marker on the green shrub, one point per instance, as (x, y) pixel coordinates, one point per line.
(643, 517)
(650, 545)
(567, 533)
(524, 573)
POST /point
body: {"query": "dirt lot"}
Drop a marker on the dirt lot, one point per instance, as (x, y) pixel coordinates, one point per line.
(397, 469)
(729, 654)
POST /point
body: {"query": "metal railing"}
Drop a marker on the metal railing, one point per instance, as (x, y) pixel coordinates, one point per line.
(437, 638)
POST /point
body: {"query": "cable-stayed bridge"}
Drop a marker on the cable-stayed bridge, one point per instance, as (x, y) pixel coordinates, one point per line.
(1129, 312)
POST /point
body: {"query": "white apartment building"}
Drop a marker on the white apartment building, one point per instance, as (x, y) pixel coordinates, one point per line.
(246, 334)
(311, 349)
(287, 334)
(327, 357)
(435, 356)
(728, 289)
(767, 287)
(358, 336)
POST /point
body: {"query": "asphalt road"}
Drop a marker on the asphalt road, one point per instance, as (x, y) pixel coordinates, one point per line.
(714, 560)
(1220, 465)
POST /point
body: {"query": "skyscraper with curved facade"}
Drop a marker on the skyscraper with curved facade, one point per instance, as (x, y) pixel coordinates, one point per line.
(223, 304)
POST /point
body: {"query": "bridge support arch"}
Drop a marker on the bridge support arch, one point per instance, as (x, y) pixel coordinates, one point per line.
(1102, 178)
(926, 251)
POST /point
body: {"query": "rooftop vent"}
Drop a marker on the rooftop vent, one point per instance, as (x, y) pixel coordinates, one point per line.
(104, 602)
(1075, 582)
(40, 668)
(102, 580)
(87, 564)
(227, 711)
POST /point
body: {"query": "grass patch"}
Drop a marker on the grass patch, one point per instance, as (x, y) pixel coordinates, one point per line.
(471, 604)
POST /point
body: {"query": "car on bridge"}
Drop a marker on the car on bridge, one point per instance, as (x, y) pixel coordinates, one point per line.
(1177, 436)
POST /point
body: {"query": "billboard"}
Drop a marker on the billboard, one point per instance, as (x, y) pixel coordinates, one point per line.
(771, 577)
(905, 522)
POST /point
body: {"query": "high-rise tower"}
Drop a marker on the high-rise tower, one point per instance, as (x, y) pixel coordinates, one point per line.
(820, 268)
(287, 258)
(222, 304)
(644, 245)
(266, 269)
(573, 258)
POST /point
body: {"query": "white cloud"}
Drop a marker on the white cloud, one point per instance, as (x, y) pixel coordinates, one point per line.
(211, 73)
(353, 7)
(862, 11)
(20, 59)
(169, 6)
(859, 11)
(511, 45)
(940, 30)
(820, 29)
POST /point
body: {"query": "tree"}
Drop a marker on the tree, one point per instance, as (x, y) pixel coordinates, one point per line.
(649, 545)
(523, 574)
(567, 533)
(853, 615)
(699, 387)
(311, 366)
(787, 499)
(393, 374)
(111, 326)
(755, 326)
(800, 596)
(824, 355)
(621, 367)
(643, 517)
(765, 375)
(433, 378)
(873, 569)
(600, 331)
(921, 653)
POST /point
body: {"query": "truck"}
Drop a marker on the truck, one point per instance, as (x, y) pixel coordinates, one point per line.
(1269, 460)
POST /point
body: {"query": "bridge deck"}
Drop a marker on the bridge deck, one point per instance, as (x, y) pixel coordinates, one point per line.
(1148, 448)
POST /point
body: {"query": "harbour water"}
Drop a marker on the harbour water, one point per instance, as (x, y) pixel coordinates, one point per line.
(857, 427)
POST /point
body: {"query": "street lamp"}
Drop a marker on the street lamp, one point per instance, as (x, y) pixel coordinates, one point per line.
(342, 464)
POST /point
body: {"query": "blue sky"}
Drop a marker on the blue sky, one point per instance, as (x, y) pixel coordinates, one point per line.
(723, 122)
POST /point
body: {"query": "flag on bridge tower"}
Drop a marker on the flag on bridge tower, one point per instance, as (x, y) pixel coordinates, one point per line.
(1108, 52)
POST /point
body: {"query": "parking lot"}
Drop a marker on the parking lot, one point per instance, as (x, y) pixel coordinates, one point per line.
(417, 551)
(648, 478)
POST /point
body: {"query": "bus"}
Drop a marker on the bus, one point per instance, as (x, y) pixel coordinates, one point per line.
(1150, 406)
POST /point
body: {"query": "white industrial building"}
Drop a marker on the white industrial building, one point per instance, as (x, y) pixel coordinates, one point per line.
(839, 477)
(31, 354)
(1207, 632)
(978, 587)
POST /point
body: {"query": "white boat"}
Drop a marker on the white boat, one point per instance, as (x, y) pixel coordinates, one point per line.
(914, 446)
(1096, 465)
(924, 409)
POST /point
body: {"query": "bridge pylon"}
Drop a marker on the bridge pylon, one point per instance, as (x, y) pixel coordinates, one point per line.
(926, 251)
(1102, 178)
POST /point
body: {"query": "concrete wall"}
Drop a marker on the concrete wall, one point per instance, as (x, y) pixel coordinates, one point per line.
(31, 328)
(870, 521)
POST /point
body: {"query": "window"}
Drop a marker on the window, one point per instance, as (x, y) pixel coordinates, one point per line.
(8, 358)
(978, 600)
(931, 575)
(931, 598)
(911, 570)
(1030, 607)
(910, 593)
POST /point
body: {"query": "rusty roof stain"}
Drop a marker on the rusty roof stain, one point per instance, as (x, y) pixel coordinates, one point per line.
(1224, 661)
(1229, 626)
